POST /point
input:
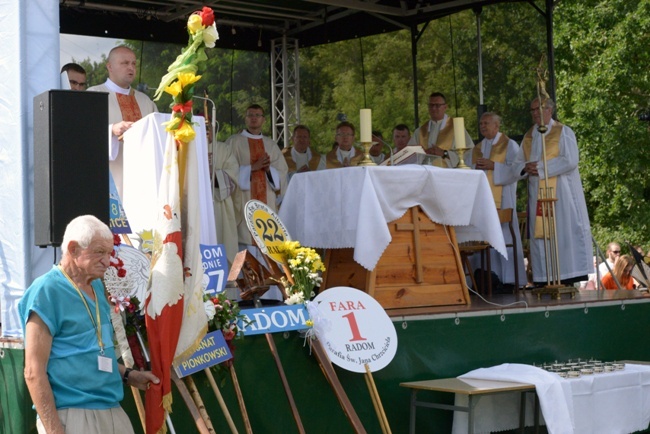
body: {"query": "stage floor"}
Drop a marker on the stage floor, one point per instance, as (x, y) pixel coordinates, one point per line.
(524, 300)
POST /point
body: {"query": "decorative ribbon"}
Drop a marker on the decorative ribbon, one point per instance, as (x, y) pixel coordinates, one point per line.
(120, 303)
(182, 107)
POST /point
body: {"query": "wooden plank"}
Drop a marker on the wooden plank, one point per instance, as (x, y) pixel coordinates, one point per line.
(409, 273)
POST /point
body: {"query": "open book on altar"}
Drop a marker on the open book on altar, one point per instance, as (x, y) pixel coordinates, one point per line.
(410, 155)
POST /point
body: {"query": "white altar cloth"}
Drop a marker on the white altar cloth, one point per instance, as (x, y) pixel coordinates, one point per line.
(144, 145)
(349, 207)
(608, 403)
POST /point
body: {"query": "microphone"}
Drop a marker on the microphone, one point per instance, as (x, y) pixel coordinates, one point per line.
(213, 145)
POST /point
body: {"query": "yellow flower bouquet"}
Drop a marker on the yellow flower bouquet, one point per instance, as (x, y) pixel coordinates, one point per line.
(306, 267)
(181, 76)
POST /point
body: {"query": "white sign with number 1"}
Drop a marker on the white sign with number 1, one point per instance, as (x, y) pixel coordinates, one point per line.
(354, 329)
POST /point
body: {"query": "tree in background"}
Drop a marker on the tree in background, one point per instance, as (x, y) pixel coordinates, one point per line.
(601, 75)
(602, 60)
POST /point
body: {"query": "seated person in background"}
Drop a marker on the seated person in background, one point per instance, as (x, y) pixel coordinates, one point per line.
(612, 254)
(300, 157)
(623, 272)
(344, 154)
(377, 154)
(401, 137)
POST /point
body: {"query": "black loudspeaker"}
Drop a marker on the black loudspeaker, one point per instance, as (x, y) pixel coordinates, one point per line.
(70, 161)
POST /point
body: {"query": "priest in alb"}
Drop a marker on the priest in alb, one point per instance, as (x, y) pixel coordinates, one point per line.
(125, 106)
(573, 229)
(495, 155)
(262, 169)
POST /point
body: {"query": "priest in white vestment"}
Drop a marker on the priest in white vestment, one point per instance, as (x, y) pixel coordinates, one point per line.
(225, 172)
(436, 136)
(573, 229)
(301, 157)
(262, 169)
(125, 106)
(344, 153)
(495, 155)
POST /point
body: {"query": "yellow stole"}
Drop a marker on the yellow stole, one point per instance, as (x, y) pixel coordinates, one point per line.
(552, 140)
(312, 164)
(498, 155)
(445, 139)
(332, 160)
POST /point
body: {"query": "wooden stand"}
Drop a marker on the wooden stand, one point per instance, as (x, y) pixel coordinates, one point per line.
(421, 267)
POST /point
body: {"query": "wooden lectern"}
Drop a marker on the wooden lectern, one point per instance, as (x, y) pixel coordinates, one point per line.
(420, 267)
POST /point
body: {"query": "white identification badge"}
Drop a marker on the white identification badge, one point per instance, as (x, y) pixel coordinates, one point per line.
(105, 364)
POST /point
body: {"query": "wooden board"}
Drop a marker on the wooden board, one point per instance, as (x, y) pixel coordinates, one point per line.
(420, 267)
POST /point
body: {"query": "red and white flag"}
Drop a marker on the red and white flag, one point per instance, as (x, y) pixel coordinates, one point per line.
(174, 314)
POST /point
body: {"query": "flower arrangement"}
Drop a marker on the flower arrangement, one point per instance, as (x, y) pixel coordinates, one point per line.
(305, 266)
(181, 76)
(223, 315)
(117, 283)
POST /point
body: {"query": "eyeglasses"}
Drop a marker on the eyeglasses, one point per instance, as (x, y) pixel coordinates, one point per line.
(435, 106)
(616, 252)
(76, 83)
(345, 134)
(254, 115)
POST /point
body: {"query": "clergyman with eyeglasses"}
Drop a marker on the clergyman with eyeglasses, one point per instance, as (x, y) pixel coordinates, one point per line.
(436, 135)
(76, 76)
(344, 153)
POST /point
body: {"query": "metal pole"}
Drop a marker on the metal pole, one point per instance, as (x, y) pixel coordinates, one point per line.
(414, 62)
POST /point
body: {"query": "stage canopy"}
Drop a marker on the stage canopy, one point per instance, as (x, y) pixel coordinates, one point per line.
(252, 24)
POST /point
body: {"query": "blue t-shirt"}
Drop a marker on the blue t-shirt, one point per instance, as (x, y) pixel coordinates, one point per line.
(72, 368)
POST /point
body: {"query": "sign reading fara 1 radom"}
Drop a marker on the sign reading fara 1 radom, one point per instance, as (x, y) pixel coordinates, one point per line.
(266, 228)
(355, 329)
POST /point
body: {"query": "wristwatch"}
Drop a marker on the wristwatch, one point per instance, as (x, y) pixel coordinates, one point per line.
(125, 377)
(445, 154)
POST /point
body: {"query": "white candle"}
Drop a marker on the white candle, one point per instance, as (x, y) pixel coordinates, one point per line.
(365, 125)
(459, 132)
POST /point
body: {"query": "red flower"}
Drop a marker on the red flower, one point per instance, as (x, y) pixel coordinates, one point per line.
(121, 272)
(207, 16)
(120, 263)
(116, 240)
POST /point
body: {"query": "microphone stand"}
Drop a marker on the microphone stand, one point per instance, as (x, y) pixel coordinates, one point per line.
(213, 130)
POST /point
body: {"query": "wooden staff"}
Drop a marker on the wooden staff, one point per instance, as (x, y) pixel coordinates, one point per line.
(285, 383)
(376, 401)
(240, 399)
(196, 396)
(330, 374)
(222, 403)
(191, 406)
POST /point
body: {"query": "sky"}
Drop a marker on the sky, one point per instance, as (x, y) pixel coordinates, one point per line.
(83, 47)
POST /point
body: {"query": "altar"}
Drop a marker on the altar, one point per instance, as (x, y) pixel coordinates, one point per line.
(393, 231)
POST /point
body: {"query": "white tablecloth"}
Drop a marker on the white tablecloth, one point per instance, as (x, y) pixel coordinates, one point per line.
(607, 403)
(349, 207)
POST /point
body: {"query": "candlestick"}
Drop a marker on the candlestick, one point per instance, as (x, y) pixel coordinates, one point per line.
(365, 125)
(459, 132)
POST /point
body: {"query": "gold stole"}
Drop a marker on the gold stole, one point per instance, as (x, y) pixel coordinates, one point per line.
(258, 177)
(312, 164)
(552, 140)
(444, 141)
(129, 107)
(498, 155)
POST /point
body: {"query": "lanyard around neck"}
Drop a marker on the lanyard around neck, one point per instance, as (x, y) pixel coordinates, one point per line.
(97, 325)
